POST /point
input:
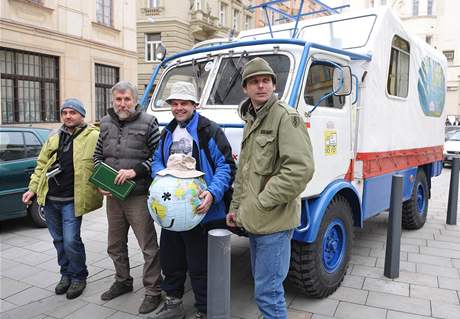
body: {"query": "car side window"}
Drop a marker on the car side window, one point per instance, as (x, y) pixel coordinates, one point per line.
(33, 145)
(11, 146)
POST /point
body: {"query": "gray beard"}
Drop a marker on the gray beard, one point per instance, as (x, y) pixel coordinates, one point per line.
(123, 115)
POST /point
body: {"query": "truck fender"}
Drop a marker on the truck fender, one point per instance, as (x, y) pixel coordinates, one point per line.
(313, 209)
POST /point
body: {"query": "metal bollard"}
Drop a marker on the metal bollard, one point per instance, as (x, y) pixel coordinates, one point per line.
(392, 253)
(451, 218)
(219, 265)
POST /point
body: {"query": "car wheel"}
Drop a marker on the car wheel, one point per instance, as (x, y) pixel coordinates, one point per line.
(317, 269)
(37, 215)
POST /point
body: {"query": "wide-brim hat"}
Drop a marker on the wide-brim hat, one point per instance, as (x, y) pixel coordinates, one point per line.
(182, 90)
(181, 166)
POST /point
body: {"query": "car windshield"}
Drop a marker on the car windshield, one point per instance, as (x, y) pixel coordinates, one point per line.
(227, 89)
(455, 136)
(195, 72)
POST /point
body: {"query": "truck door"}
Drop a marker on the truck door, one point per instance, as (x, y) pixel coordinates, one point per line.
(329, 124)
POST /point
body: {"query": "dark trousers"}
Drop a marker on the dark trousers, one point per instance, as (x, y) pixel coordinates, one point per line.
(64, 227)
(181, 252)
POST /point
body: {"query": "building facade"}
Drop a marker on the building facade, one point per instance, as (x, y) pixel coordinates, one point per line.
(51, 50)
(178, 25)
(291, 7)
(437, 23)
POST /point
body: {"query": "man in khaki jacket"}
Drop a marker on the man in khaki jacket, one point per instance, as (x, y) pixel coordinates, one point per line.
(275, 165)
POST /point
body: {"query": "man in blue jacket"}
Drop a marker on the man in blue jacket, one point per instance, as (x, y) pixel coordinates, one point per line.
(192, 134)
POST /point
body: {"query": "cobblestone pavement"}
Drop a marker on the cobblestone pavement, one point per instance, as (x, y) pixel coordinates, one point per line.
(428, 285)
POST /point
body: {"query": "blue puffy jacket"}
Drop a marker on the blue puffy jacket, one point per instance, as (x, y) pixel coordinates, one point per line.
(219, 173)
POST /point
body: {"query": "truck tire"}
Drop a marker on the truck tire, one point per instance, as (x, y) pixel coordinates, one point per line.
(415, 209)
(317, 269)
(37, 215)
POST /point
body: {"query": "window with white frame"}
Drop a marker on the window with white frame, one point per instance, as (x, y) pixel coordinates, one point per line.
(197, 5)
(236, 19)
(398, 74)
(247, 22)
(223, 14)
(383, 2)
(429, 7)
(153, 4)
(152, 44)
(104, 12)
(415, 7)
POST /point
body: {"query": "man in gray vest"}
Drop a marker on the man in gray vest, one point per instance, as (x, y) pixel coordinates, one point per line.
(127, 140)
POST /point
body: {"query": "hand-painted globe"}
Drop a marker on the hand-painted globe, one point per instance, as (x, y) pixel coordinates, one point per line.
(173, 202)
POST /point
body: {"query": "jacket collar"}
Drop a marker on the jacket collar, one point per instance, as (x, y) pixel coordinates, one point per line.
(194, 124)
(245, 113)
(64, 129)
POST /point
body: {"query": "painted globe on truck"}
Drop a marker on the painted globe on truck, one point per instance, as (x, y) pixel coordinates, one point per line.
(173, 202)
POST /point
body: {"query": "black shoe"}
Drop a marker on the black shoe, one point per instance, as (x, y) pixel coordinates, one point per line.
(62, 286)
(172, 309)
(117, 289)
(76, 288)
(150, 303)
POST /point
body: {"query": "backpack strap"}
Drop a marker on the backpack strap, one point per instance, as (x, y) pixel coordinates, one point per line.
(204, 135)
(162, 139)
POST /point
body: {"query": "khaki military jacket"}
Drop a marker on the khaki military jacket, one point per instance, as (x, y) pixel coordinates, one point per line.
(275, 165)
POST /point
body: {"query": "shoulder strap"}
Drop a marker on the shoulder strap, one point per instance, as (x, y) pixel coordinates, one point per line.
(162, 140)
(204, 136)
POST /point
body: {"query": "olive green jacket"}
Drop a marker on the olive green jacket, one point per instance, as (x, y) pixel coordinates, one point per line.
(275, 165)
(86, 196)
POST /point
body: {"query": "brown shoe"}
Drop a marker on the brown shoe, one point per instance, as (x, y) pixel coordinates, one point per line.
(150, 303)
(117, 289)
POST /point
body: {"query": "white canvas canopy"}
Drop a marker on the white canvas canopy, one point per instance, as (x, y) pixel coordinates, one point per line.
(386, 122)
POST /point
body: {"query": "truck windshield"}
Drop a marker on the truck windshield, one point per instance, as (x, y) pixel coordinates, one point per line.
(196, 72)
(227, 89)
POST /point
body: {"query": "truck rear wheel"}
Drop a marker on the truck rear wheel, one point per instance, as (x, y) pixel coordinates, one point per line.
(317, 269)
(415, 209)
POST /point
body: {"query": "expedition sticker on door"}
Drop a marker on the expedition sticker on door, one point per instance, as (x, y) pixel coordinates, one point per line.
(330, 142)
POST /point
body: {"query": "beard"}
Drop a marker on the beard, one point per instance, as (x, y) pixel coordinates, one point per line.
(123, 115)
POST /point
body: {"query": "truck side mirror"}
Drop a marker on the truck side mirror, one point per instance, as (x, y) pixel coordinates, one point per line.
(341, 81)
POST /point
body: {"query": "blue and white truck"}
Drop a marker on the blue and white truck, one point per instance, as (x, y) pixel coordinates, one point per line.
(372, 97)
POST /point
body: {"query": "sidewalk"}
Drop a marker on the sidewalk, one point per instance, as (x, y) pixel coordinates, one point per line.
(428, 285)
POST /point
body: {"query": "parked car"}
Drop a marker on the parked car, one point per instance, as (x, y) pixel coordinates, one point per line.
(19, 148)
(450, 130)
(452, 148)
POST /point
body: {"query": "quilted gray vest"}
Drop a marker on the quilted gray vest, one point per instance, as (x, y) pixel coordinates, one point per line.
(125, 144)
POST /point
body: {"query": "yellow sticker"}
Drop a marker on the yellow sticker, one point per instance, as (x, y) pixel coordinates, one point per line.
(330, 142)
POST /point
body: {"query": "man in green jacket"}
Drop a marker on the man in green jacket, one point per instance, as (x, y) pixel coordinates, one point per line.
(274, 167)
(60, 182)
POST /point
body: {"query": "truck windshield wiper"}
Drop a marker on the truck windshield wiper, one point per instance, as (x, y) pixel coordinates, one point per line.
(237, 71)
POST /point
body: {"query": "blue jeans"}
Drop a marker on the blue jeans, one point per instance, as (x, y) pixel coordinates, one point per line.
(270, 258)
(64, 227)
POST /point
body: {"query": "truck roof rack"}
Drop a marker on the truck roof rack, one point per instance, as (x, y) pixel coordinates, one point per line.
(270, 5)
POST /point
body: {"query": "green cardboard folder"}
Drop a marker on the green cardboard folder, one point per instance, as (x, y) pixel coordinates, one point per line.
(104, 176)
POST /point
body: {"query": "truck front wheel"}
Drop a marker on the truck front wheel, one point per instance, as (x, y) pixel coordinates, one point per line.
(317, 269)
(415, 209)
